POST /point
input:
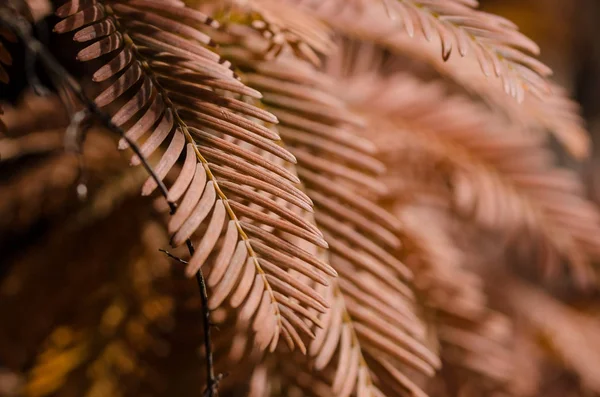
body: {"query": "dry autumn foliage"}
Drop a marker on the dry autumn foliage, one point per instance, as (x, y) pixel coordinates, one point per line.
(357, 197)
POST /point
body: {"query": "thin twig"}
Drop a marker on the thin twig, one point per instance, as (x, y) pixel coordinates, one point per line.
(170, 255)
(59, 75)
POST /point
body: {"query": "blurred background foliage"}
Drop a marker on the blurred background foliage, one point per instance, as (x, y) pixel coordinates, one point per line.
(144, 325)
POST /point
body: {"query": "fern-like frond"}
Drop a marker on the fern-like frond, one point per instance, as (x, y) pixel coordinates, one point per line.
(282, 27)
(475, 340)
(362, 239)
(162, 78)
(554, 113)
(498, 46)
(438, 261)
(316, 126)
(336, 355)
(504, 179)
(332, 340)
(480, 351)
(470, 345)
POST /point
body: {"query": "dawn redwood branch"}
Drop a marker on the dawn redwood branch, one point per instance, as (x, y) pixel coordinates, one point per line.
(36, 50)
